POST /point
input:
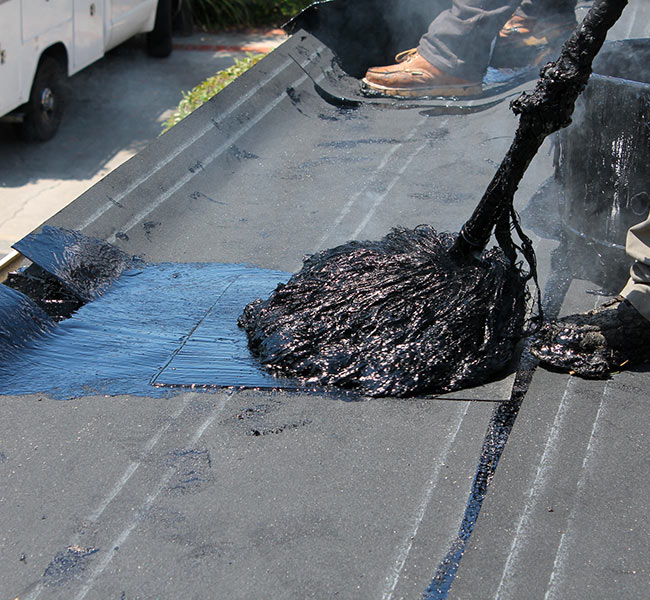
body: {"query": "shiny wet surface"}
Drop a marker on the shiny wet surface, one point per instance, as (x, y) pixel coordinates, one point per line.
(157, 326)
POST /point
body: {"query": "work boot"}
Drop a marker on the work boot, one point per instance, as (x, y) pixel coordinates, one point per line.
(525, 41)
(414, 77)
(593, 344)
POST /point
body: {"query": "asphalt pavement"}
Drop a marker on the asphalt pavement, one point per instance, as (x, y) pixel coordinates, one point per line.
(115, 108)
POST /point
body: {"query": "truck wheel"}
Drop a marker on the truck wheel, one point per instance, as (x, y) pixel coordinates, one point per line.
(44, 109)
(159, 41)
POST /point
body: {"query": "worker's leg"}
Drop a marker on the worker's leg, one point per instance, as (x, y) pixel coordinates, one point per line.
(458, 41)
(452, 56)
(546, 8)
(535, 33)
(637, 290)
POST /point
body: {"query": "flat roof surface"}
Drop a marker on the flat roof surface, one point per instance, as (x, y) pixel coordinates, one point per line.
(233, 493)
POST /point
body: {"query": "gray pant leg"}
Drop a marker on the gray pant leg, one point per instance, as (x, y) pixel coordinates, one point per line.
(459, 39)
(544, 8)
(637, 246)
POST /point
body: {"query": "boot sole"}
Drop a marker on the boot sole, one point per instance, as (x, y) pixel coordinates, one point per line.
(450, 91)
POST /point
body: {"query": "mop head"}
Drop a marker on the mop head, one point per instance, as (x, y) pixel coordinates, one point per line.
(395, 317)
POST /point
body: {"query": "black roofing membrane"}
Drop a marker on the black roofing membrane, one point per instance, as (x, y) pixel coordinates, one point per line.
(253, 493)
(266, 172)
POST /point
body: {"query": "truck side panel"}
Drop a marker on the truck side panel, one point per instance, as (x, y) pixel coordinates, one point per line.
(85, 28)
(40, 16)
(88, 32)
(127, 18)
(10, 65)
(33, 49)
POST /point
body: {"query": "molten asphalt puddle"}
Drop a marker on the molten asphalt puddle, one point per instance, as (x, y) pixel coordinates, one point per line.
(157, 326)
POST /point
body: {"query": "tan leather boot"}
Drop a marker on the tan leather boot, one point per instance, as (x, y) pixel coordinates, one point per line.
(413, 76)
(530, 42)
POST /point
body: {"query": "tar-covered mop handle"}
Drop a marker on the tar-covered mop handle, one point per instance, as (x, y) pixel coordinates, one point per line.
(543, 111)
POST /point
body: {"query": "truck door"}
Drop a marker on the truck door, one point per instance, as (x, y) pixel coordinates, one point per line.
(10, 44)
(88, 32)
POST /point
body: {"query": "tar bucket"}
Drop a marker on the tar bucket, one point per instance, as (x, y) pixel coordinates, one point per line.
(604, 164)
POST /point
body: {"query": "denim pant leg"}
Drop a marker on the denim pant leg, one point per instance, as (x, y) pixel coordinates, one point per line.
(459, 39)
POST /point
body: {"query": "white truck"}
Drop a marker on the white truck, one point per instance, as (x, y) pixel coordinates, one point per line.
(44, 41)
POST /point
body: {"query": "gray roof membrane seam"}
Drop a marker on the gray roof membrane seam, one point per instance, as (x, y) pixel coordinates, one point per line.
(374, 178)
(561, 558)
(191, 140)
(404, 548)
(543, 467)
(206, 162)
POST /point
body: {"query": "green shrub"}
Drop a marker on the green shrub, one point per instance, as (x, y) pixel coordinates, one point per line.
(210, 14)
(204, 91)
